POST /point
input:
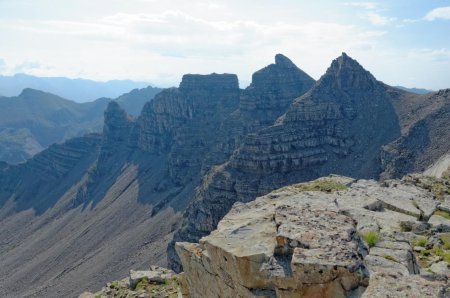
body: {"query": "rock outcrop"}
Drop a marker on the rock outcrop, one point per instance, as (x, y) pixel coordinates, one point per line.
(183, 122)
(157, 282)
(342, 240)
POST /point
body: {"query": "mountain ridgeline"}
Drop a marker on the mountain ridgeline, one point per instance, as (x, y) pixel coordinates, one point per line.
(78, 90)
(105, 203)
(33, 120)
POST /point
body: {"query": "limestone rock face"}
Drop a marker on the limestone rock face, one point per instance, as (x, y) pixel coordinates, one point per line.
(347, 114)
(272, 90)
(117, 131)
(338, 126)
(201, 123)
(183, 122)
(296, 243)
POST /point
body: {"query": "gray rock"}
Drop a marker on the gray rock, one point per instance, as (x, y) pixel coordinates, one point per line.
(307, 242)
(442, 268)
(156, 275)
(441, 223)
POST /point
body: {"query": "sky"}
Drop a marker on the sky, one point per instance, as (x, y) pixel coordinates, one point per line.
(401, 42)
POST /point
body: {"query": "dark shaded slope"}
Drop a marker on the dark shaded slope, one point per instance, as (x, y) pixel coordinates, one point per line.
(424, 142)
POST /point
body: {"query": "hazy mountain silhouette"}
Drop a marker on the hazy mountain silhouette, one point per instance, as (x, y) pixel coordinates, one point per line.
(79, 90)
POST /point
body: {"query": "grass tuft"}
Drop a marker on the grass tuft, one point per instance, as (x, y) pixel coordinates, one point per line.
(371, 238)
(446, 240)
(142, 284)
(391, 258)
(442, 213)
(325, 185)
(419, 241)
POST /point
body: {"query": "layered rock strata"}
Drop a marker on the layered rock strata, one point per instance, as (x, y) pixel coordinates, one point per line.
(297, 243)
(339, 126)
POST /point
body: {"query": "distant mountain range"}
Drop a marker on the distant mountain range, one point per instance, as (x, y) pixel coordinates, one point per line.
(415, 90)
(86, 211)
(33, 120)
(79, 90)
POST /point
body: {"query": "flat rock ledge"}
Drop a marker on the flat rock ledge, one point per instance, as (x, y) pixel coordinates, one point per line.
(157, 282)
(354, 241)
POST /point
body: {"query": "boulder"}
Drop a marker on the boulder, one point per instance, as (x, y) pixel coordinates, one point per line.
(441, 223)
(155, 275)
(442, 268)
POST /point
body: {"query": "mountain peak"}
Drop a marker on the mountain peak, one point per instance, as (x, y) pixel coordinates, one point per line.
(346, 73)
(345, 62)
(26, 92)
(210, 81)
(115, 118)
(284, 71)
(283, 61)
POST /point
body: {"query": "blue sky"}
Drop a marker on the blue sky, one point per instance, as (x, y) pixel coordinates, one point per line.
(402, 42)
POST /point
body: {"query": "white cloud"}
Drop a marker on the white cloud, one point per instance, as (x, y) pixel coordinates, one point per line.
(176, 42)
(442, 13)
(2, 65)
(435, 55)
(27, 67)
(379, 20)
(159, 41)
(364, 5)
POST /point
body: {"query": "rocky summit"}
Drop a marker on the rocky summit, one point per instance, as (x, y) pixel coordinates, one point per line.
(332, 237)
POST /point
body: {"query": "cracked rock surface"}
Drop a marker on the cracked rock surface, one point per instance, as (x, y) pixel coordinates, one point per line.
(356, 241)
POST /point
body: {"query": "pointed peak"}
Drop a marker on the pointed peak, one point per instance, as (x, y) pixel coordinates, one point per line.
(116, 122)
(345, 61)
(114, 111)
(29, 91)
(280, 74)
(283, 61)
(113, 105)
(346, 73)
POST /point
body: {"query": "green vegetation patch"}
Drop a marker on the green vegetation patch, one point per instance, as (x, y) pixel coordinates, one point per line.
(419, 241)
(142, 284)
(371, 238)
(438, 188)
(446, 240)
(437, 251)
(442, 213)
(444, 254)
(325, 185)
(169, 288)
(391, 258)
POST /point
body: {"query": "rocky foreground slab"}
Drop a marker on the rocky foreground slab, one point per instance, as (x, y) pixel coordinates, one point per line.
(333, 237)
